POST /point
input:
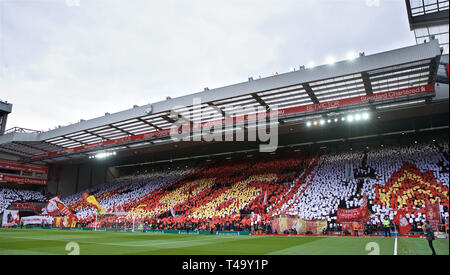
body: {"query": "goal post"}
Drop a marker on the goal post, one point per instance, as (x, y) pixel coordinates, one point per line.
(117, 221)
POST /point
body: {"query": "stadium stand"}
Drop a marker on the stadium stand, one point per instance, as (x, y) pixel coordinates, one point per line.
(9, 196)
(243, 194)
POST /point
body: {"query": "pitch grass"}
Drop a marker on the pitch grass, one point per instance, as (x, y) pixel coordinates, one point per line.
(37, 241)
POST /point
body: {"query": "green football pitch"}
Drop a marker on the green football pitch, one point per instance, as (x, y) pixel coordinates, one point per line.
(38, 241)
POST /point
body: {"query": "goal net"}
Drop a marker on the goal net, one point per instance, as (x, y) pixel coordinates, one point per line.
(118, 221)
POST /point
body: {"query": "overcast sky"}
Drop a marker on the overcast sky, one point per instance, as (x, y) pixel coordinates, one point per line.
(66, 60)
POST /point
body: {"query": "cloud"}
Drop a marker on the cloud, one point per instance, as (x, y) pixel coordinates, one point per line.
(62, 61)
(373, 3)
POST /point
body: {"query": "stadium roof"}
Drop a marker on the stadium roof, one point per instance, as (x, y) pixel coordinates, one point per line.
(429, 19)
(422, 13)
(298, 94)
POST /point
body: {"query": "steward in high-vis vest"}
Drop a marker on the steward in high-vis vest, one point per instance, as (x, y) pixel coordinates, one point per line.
(387, 227)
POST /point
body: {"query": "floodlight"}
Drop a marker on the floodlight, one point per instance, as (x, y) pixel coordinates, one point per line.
(330, 60)
(352, 55)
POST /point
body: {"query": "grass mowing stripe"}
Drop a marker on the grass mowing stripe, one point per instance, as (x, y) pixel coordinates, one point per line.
(339, 246)
(173, 242)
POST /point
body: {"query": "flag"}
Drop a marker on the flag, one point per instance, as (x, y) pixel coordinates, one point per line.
(364, 210)
(55, 207)
(52, 208)
(265, 198)
(349, 170)
(72, 221)
(93, 202)
(237, 204)
(85, 195)
(433, 214)
(57, 222)
(172, 212)
(63, 209)
(402, 222)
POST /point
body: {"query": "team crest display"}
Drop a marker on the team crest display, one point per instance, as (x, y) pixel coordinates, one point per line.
(149, 109)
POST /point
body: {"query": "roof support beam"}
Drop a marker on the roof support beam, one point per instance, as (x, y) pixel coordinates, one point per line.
(367, 83)
(218, 109)
(74, 140)
(31, 147)
(401, 74)
(14, 151)
(395, 69)
(89, 132)
(149, 123)
(168, 119)
(122, 130)
(310, 92)
(261, 101)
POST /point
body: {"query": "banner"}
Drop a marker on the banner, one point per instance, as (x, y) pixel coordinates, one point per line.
(58, 222)
(11, 165)
(360, 214)
(433, 214)
(37, 220)
(286, 222)
(26, 206)
(10, 218)
(348, 215)
(402, 222)
(21, 179)
(64, 222)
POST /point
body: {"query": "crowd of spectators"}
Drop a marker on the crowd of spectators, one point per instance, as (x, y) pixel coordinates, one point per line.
(246, 193)
(9, 196)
